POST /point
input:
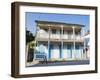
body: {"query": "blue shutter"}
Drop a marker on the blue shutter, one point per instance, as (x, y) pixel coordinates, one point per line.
(78, 54)
(50, 48)
(60, 50)
(69, 51)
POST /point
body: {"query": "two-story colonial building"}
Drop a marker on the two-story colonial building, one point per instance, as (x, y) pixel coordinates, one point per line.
(61, 41)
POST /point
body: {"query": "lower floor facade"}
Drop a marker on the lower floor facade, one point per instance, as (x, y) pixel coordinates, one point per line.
(60, 51)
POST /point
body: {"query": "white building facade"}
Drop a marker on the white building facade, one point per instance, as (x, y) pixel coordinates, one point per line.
(60, 41)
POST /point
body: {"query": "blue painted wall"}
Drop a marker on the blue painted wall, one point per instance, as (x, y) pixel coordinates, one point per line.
(69, 49)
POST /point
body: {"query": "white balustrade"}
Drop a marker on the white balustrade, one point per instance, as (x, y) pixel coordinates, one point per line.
(58, 36)
(42, 35)
(55, 36)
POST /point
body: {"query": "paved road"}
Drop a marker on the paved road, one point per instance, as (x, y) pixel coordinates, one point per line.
(77, 62)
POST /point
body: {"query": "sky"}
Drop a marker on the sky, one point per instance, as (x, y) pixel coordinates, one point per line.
(30, 18)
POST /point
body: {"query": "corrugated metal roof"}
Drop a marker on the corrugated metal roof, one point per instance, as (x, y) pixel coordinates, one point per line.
(56, 23)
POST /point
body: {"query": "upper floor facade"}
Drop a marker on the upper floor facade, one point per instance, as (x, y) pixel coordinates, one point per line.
(55, 31)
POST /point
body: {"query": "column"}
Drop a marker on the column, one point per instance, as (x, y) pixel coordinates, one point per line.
(49, 32)
(61, 42)
(34, 50)
(49, 56)
(82, 37)
(84, 44)
(73, 54)
(84, 50)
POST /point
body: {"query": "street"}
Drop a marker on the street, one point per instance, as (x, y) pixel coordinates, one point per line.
(60, 63)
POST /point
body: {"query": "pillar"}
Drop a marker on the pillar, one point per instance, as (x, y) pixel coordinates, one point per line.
(73, 54)
(84, 47)
(61, 42)
(49, 56)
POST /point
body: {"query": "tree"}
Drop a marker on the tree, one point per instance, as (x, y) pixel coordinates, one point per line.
(29, 36)
(30, 50)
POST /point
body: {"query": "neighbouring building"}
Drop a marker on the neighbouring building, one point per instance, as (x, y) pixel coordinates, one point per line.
(60, 41)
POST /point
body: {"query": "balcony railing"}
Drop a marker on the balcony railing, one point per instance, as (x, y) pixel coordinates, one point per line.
(43, 36)
(55, 36)
(58, 36)
(65, 36)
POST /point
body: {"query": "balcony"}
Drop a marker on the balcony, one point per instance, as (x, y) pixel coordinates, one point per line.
(58, 37)
(42, 35)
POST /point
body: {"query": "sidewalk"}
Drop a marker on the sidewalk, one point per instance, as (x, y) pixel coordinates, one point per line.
(32, 63)
(60, 63)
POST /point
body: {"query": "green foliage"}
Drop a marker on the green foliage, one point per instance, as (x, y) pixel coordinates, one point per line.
(29, 36)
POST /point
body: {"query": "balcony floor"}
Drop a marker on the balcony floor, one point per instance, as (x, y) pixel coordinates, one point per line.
(58, 40)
